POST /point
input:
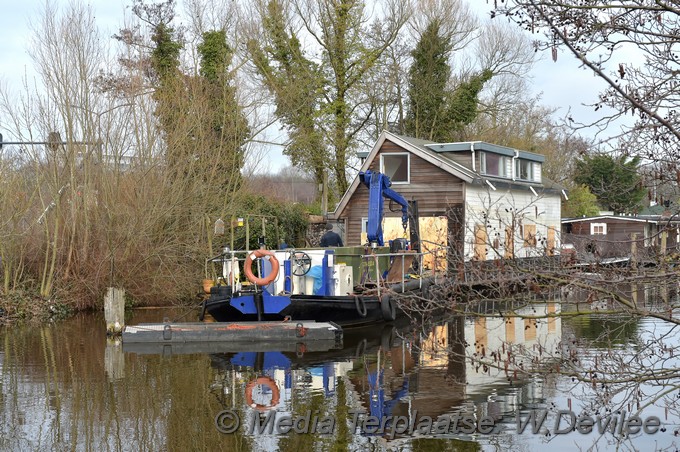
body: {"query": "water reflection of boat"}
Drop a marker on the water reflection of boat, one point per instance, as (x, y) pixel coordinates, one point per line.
(439, 372)
(267, 378)
(357, 342)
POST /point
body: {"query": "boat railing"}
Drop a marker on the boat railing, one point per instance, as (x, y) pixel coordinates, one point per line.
(396, 280)
(405, 270)
(231, 257)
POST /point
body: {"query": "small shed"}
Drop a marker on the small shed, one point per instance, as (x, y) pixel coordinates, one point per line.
(613, 236)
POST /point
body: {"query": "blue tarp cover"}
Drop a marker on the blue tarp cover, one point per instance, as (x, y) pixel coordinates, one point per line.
(316, 272)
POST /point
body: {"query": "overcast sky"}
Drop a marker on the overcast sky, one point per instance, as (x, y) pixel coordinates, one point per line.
(18, 18)
(563, 84)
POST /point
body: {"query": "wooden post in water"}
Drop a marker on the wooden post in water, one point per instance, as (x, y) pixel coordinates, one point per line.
(114, 359)
(114, 311)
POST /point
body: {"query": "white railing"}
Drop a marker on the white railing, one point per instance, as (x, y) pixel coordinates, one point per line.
(398, 279)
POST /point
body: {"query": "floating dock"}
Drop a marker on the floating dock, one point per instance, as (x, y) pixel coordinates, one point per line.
(242, 333)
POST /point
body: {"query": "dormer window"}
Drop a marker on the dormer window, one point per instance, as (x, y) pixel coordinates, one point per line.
(493, 164)
(524, 169)
(396, 166)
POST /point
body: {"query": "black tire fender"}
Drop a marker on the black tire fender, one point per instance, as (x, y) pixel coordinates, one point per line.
(201, 314)
(360, 305)
(389, 311)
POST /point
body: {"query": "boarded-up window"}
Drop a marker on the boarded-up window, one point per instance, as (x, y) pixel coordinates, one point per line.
(510, 329)
(550, 246)
(480, 242)
(529, 329)
(529, 235)
(509, 242)
(551, 320)
(481, 335)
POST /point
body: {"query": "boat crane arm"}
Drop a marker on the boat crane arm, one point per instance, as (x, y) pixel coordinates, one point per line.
(379, 186)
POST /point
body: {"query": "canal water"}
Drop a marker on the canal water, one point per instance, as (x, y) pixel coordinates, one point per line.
(479, 382)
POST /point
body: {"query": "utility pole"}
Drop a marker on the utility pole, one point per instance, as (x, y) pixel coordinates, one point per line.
(324, 194)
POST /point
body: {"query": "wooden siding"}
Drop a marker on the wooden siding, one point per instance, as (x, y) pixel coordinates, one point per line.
(614, 226)
(433, 188)
(463, 158)
(538, 176)
(618, 239)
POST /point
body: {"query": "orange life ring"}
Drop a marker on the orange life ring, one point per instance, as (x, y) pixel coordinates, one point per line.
(247, 267)
(268, 382)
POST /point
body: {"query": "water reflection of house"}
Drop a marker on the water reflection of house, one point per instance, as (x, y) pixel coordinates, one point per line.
(613, 236)
(524, 338)
(444, 376)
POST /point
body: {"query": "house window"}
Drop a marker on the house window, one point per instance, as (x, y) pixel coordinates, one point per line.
(364, 230)
(396, 167)
(598, 228)
(524, 169)
(493, 164)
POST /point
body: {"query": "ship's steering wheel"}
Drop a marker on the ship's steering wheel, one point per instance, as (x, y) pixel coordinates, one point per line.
(300, 263)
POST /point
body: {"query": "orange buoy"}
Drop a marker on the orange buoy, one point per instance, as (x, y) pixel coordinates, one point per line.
(247, 267)
(262, 381)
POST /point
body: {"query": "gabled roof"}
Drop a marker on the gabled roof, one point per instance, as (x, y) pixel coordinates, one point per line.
(421, 148)
(416, 147)
(638, 219)
(438, 154)
(603, 218)
(442, 152)
(466, 146)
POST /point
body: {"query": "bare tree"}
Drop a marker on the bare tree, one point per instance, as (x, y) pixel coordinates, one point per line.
(632, 47)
